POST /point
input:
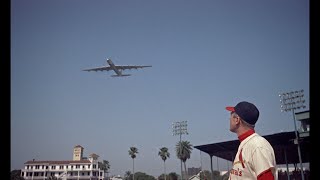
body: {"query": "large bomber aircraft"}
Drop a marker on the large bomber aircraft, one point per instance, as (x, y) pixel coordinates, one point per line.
(116, 68)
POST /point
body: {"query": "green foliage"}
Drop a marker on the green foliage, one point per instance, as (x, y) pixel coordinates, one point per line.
(173, 176)
(206, 175)
(164, 153)
(104, 165)
(143, 176)
(216, 175)
(183, 150)
(15, 175)
(133, 151)
(225, 176)
(163, 177)
(128, 175)
(170, 176)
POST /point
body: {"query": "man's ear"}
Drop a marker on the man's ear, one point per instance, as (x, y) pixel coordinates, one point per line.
(238, 120)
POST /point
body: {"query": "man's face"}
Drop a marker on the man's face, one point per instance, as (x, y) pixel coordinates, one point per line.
(234, 121)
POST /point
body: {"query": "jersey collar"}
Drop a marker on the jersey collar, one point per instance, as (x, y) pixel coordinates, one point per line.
(246, 134)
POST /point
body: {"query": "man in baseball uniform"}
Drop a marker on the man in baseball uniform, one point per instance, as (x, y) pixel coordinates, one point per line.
(255, 158)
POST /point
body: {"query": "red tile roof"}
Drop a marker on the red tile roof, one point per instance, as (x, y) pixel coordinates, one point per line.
(78, 146)
(94, 155)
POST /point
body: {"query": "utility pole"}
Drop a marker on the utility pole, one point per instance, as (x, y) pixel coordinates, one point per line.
(291, 101)
(179, 128)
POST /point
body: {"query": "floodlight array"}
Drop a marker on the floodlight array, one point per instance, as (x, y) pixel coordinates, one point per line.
(179, 128)
(292, 100)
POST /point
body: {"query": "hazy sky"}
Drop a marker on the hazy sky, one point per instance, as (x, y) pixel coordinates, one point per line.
(205, 55)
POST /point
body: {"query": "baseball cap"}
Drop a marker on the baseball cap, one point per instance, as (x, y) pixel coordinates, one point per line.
(247, 111)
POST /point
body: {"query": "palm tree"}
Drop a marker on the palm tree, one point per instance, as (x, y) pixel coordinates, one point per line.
(164, 154)
(105, 166)
(15, 175)
(183, 150)
(132, 152)
(127, 175)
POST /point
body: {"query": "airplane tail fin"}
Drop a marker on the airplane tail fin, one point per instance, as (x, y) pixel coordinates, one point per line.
(120, 75)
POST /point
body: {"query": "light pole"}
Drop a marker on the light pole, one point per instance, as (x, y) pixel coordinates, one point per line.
(289, 102)
(179, 128)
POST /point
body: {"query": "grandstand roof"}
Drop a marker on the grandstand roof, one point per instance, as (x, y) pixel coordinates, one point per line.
(283, 144)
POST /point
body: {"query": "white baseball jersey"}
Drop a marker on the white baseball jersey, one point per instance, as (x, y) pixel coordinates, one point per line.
(255, 155)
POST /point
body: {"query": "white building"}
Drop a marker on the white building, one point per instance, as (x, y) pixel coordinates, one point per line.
(78, 168)
(116, 178)
(194, 177)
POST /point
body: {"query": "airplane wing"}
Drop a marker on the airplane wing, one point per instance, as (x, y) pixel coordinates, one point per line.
(116, 68)
(103, 68)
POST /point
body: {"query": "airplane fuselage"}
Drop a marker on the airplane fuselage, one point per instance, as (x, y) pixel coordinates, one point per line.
(114, 67)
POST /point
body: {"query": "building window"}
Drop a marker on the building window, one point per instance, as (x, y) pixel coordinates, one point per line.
(77, 166)
(61, 167)
(94, 166)
(53, 167)
(37, 166)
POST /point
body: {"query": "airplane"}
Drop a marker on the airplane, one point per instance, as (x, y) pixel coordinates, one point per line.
(116, 68)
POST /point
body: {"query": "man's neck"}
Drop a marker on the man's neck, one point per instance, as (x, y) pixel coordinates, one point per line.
(246, 134)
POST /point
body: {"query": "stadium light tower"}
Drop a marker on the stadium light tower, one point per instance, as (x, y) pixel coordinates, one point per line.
(291, 101)
(179, 128)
